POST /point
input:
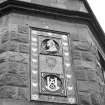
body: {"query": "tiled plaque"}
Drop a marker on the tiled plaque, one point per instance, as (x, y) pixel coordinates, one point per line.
(51, 68)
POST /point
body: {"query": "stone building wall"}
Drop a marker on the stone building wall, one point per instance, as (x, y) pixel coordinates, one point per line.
(15, 59)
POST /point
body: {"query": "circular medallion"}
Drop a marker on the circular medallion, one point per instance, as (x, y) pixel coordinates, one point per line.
(50, 46)
(52, 83)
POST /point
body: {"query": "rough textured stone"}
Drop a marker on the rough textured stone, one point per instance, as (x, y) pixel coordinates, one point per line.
(3, 47)
(14, 57)
(76, 54)
(88, 64)
(19, 37)
(88, 56)
(23, 93)
(18, 57)
(84, 64)
(17, 75)
(9, 46)
(13, 46)
(23, 29)
(92, 76)
(85, 86)
(96, 99)
(84, 98)
(81, 45)
(24, 48)
(11, 92)
(8, 92)
(5, 37)
(81, 75)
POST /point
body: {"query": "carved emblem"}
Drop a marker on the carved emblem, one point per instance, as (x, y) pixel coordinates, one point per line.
(52, 84)
(50, 46)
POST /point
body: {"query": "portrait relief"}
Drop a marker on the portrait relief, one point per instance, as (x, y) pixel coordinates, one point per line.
(50, 46)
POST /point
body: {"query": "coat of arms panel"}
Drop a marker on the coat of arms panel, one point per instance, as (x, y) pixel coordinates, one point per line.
(52, 83)
(51, 64)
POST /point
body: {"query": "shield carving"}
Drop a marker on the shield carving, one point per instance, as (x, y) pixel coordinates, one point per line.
(52, 84)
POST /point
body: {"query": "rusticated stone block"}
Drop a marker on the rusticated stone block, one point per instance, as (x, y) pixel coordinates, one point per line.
(24, 48)
(19, 37)
(88, 56)
(76, 54)
(3, 29)
(76, 62)
(4, 47)
(14, 57)
(9, 46)
(2, 60)
(17, 75)
(8, 92)
(84, 46)
(81, 45)
(18, 57)
(86, 86)
(92, 76)
(84, 64)
(81, 75)
(23, 93)
(3, 68)
(11, 92)
(84, 98)
(96, 99)
(88, 64)
(13, 46)
(23, 29)
(5, 37)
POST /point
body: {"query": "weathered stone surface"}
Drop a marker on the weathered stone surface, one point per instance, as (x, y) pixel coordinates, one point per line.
(88, 56)
(13, 92)
(96, 99)
(84, 98)
(19, 37)
(5, 37)
(3, 68)
(14, 57)
(92, 76)
(23, 93)
(12, 46)
(83, 46)
(17, 75)
(88, 64)
(23, 29)
(18, 57)
(8, 92)
(3, 47)
(81, 75)
(85, 86)
(76, 54)
(24, 48)
(9, 46)
(84, 64)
